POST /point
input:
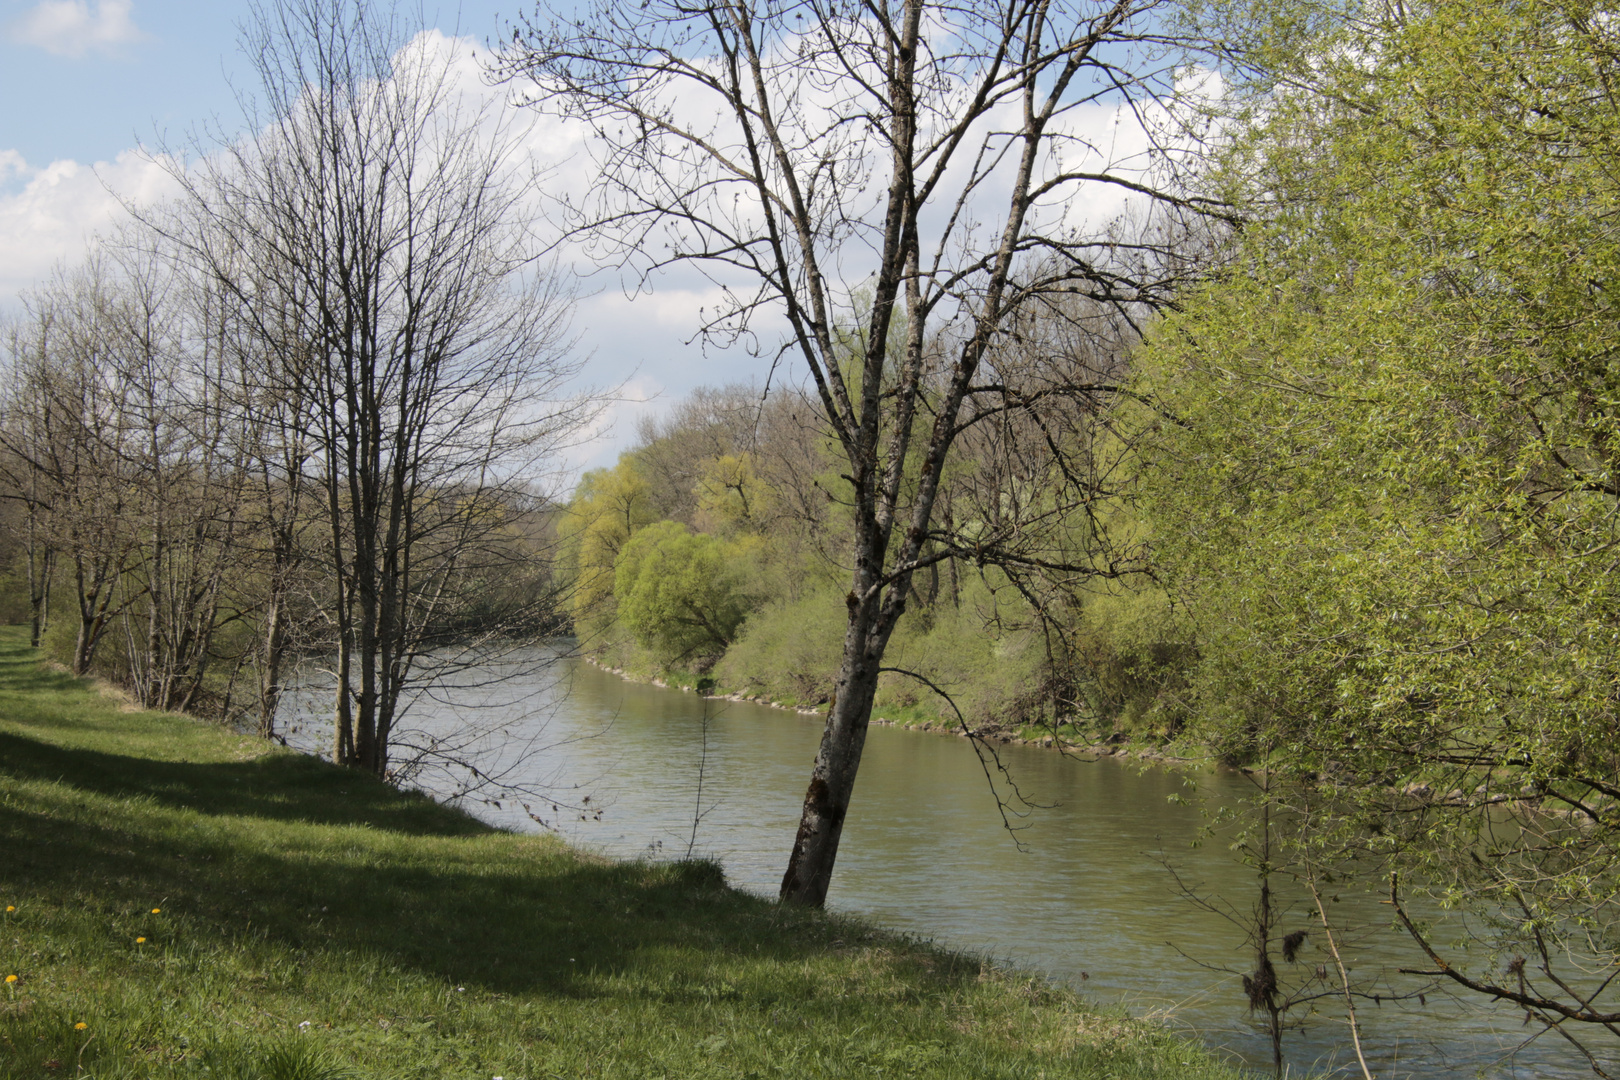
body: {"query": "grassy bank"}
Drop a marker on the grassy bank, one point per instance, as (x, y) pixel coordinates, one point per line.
(183, 902)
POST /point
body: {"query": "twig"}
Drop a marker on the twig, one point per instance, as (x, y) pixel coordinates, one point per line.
(1528, 1001)
(982, 748)
(1344, 978)
(703, 764)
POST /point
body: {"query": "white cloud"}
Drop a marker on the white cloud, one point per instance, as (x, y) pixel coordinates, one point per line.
(51, 218)
(11, 162)
(73, 28)
(614, 428)
(639, 345)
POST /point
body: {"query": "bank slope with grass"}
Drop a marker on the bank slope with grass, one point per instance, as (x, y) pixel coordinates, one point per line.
(181, 901)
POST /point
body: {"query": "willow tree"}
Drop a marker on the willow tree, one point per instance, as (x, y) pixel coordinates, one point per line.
(908, 174)
(1393, 494)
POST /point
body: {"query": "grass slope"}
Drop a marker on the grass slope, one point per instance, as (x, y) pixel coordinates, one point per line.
(302, 922)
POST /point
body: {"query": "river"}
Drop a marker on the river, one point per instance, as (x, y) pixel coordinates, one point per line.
(1084, 895)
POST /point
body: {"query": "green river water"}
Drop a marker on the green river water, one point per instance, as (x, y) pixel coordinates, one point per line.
(1088, 900)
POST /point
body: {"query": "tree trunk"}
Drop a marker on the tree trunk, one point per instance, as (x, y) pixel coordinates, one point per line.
(95, 609)
(41, 566)
(832, 782)
(275, 639)
(343, 724)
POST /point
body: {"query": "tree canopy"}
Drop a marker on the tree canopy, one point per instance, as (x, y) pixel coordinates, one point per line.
(1384, 460)
(680, 592)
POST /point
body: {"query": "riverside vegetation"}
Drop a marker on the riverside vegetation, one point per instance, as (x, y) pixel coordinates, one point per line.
(186, 902)
(1352, 499)
(1336, 497)
(709, 557)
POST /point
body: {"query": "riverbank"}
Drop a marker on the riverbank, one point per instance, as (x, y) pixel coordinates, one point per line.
(921, 720)
(185, 902)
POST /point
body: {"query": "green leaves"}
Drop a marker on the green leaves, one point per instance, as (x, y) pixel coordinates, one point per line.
(606, 510)
(680, 592)
(1393, 507)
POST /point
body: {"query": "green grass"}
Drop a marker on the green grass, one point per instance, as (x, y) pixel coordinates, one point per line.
(302, 922)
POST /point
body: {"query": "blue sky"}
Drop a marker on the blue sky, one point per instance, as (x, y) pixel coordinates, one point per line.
(83, 83)
(85, 79)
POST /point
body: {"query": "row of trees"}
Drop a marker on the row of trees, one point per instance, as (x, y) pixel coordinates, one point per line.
(303, 409)
(127, 477)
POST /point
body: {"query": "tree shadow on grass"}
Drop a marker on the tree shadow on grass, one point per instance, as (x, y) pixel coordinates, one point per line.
(414, 884)
(276, 786)
(287, 851)
(22, 672)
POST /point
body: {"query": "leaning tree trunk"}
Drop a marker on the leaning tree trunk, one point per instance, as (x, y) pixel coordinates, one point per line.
(929, 110)
(873, 613)
(832, 782)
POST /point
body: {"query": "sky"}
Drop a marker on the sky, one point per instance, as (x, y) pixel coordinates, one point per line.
(84, 84)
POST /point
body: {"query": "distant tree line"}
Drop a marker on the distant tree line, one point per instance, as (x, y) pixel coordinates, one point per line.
(714, 550)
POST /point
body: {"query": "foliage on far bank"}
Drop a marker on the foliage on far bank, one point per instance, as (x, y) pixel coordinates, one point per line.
(741, 508)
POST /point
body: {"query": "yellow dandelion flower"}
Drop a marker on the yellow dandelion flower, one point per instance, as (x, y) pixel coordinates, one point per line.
(140, 941)
(157, 911)
(11, 978)
(11, 907)
(80, 1026)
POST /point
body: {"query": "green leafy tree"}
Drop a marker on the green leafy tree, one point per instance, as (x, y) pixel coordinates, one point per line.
(1385, 463)
(679, 592)
(607, 509)
(730, 494)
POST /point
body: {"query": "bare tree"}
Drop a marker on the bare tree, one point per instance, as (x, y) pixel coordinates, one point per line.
(67, 433)
(911, 171)
(25, 419)
(183, 470)
(125, 459)
(371, 234)
(275, 426)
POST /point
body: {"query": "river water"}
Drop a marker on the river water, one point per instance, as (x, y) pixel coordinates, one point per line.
(1093, 891)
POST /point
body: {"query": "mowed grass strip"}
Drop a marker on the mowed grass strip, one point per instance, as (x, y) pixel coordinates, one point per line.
(181, 901)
